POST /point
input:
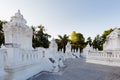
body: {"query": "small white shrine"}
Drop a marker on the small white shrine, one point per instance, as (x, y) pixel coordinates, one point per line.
(17, 33)
(112, 41)
(53, 45)
(68, 53)
(68, 47)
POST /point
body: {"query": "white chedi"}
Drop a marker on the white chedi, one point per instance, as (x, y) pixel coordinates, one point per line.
(68, 47)
(112, 41)
(53, 45)
(68, 53)
(88, 48)
(17, 33)
(18, 20)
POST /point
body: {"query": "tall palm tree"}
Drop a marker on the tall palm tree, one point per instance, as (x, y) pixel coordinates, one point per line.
(33, 37)
(63, 40)
(40, 38)
(2, 39)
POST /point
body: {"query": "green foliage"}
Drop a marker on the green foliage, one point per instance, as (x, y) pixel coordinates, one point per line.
(98, 43)
(40, 38)
(2, 40)
(106, 33)
(58, 41)
(89, 41)
(62, 42)
(100, 40)
(74, 37)
(78, 41)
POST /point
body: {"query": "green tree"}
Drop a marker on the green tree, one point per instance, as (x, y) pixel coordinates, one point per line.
(98, 42)
(62, 41)
(58, 41)
(89, 41)
(105, 34)
(74, 37)
(33, 37)
(2, 39)
(78, 41)
(40, 38)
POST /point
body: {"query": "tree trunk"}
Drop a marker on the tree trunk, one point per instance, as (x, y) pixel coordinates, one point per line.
(64, 49)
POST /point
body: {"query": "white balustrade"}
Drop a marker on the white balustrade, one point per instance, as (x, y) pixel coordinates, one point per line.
(104, 57)
(2, 72)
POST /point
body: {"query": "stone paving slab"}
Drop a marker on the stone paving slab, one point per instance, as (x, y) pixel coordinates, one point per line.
(78, 69)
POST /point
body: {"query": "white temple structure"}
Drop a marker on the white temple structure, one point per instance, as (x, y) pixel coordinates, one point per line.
(111, 51)
(53, 45)
(18, 59)
(112, 41)
(17, 33)
(68, 52)
(68, 47)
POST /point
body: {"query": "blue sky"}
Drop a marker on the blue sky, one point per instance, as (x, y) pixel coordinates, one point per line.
(89, 17)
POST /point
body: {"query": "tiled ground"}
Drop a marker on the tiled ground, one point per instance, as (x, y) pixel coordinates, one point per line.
(78, 69)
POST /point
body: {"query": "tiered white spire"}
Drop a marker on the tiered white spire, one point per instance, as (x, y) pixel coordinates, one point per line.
(113, 40)
(68, 47)
(53, 44)
(18, 19)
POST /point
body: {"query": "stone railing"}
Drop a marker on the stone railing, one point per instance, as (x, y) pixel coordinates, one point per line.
(28, 62)
(2, 72)
(20, 64)
(19, 57)
(104, 57)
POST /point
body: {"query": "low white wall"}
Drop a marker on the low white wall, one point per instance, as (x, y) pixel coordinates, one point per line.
(25, 72)
(111, 58)
(21, 64)
(2, 72)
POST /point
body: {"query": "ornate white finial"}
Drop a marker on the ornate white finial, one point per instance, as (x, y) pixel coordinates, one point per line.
(18, 14)
(18, 11)
(53, 44)
(18, 19)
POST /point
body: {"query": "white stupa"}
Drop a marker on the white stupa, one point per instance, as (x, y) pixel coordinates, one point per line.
(88, 48)
(68, 47)
(17, 33)
(53, 45)
(112, 41)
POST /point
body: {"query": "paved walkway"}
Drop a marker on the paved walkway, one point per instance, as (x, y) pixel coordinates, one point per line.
(78, 69)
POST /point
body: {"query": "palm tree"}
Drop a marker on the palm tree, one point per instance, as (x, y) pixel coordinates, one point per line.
(40, 38)
(33, 37)
(63, 41)
(2, 39)
(41, 28)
